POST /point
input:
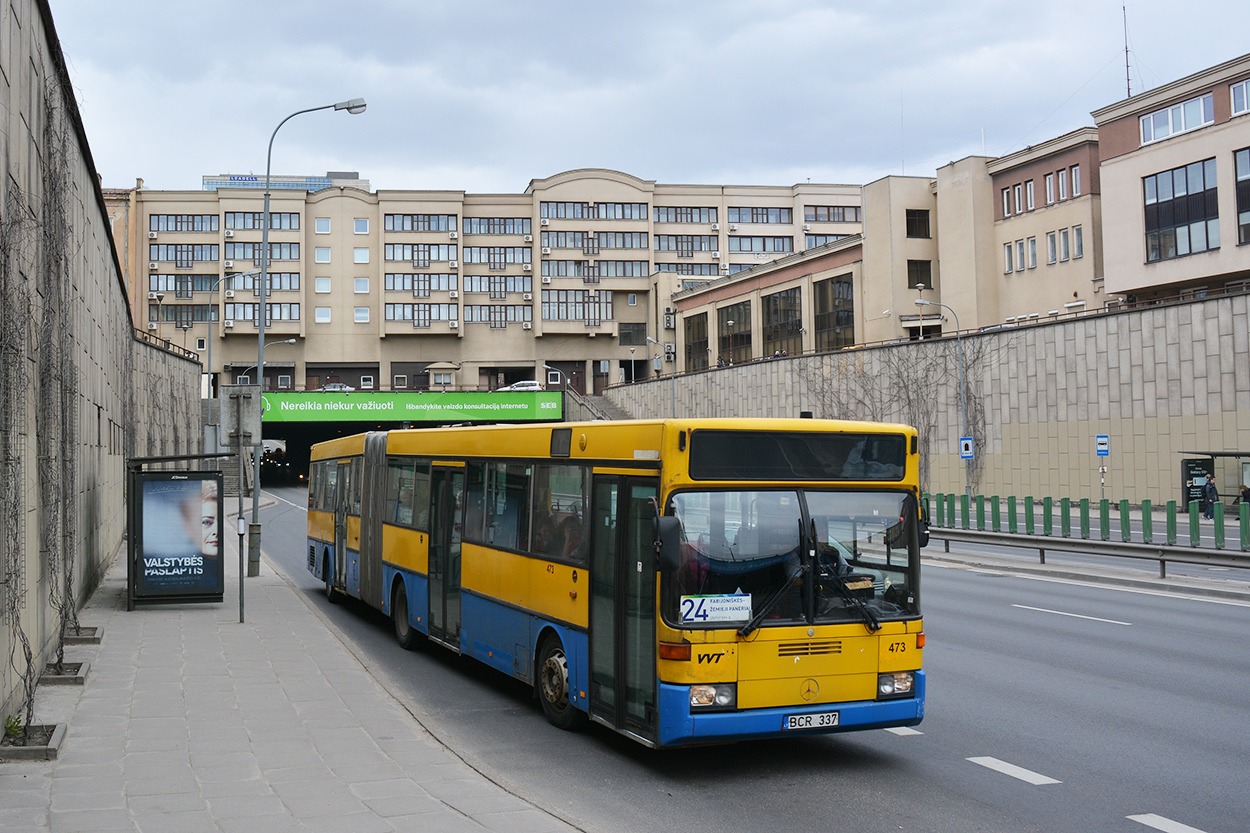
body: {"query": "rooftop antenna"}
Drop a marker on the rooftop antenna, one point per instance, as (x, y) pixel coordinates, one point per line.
(1128, 85)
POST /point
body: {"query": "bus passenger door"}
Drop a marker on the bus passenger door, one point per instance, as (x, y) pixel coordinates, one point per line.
(342, 506)
(446, 491)
(622, 605)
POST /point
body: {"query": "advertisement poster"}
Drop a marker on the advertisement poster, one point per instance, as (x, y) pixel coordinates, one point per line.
(178, 548)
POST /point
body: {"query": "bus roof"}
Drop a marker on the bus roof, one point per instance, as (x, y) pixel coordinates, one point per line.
(625, 440)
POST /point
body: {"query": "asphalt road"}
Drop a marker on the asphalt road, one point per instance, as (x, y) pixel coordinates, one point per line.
(1052, 706)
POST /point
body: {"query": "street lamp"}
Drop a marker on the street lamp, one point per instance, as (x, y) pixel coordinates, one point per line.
(963, 410)
(160, 315)
(672, 376)
(730, 324)
(262, 352)
(354, 106)
(212, 307)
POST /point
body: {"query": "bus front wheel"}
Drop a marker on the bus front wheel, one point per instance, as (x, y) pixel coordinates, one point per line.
(552, 685)
(332, 595)
(405, 633)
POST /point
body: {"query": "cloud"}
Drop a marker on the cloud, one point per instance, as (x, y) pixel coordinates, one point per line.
(485, 96)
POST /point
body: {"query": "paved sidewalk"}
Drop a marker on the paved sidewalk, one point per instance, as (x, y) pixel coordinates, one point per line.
(190, 721)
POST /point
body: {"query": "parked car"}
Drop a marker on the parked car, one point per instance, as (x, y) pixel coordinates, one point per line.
(528, 384)
(337, 387)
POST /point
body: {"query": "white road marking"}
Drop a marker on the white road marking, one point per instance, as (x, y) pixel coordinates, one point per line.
(1164, 824)
(1073, 615)
(1014, 771)
(287, 502)
(904, 730)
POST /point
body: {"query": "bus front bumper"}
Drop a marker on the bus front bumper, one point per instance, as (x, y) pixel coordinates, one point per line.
(679, 726)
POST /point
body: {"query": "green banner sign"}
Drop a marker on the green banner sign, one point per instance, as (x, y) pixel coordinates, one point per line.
(404, 406)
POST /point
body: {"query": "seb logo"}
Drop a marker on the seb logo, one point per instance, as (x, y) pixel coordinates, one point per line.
(710, 659)
(548, 405)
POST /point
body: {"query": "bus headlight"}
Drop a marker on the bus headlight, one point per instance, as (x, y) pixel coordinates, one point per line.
(899, 684)
(719, 697)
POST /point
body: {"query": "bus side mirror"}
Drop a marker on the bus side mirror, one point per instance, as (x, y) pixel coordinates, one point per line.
(668, 542)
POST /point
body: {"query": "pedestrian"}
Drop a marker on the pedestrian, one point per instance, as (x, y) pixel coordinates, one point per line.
(1245, 493)
(1210, 496)
(720, 362)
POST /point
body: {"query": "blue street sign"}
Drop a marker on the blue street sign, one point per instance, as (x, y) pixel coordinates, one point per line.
(1102, 444)
(965, 448)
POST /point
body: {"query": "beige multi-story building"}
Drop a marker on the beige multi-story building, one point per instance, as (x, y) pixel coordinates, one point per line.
(1176, 186)
(404, 290)
(1000, 242)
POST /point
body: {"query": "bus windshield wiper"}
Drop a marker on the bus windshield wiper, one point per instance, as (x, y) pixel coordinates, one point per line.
(767, 607)
(871, 622)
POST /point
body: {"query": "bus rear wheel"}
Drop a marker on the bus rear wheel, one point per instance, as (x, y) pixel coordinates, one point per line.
(552, 685)
(405, 634)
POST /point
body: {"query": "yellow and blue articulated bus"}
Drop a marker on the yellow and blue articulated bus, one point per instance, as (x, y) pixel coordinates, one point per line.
(679, 581)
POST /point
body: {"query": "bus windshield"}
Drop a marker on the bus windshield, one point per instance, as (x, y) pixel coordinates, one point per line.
(786, 557)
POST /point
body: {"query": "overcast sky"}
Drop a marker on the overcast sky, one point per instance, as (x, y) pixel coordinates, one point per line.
(485, 96)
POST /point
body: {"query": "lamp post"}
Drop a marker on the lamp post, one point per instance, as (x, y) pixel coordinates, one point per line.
(212, 307)
(730, 323)
(963, 410)
(672, 377)
(160, 314)
(354, 106)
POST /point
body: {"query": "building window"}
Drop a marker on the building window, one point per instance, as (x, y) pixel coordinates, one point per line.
(497, 225)
(419, 222)
(1078, 242)
(1018, 193)
(1182, 214)
(696, 341)
(1241, 97)
(362, 226)
(321, 285)
(322, 254)
(201, 344)
(1006, 202)
(919, 273)
(1019, 255)
(399, 382)
(834, 313)
(1063, 185)
(321, 315)
(284, 382)
(1076, 180)
(440, 378)
(1188, 115)
(361, 286)
(360, 255)
(632, 299)
(1032, 246)
(1050, 189)
(1052, 247)
(684, 214)
(734, 333)
(782, 314)
(1243, 194)
(632, 335)
(1008, 268)
(761, 244)
(362, 315)
(1028, 194)
(366, 383)
(1063, 245)
(917, 222)
(761, 215)
(832, 214)
(321, 225)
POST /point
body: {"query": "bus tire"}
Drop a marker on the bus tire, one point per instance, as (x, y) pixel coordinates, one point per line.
(405, 634)
(552, 685)
(332, 595)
